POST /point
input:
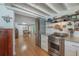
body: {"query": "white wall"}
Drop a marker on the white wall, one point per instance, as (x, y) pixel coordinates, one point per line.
(4, 13)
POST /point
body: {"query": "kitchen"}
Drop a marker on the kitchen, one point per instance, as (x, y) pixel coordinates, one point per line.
(62, 36)
(39, 29)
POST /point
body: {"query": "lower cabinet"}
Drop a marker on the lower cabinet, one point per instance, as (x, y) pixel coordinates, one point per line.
(70, 51)
(44, 42)
(71, 48)
(76, 49)
(78, 52)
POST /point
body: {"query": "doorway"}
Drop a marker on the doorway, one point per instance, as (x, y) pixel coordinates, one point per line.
(26, 38)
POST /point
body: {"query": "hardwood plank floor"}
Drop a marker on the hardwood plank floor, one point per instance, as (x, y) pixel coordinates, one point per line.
(28, 48)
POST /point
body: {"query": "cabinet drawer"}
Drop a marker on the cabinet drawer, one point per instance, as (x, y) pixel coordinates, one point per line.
(72, 44)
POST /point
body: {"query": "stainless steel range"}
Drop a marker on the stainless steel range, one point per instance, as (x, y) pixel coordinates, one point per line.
(56, 44)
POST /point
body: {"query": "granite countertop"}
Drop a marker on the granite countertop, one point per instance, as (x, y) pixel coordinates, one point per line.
(73, 39)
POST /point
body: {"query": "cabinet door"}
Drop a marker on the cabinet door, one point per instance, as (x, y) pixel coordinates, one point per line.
(78, 52)
(77, 49)
(37, 35)
(44, 42)
(69, 49)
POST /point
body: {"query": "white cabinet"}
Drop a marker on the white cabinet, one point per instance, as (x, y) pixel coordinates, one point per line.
(78, 52)
(76, 49)
(44, 42)
(71, 48)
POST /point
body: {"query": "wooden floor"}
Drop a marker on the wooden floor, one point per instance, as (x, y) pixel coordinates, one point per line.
(28, 48)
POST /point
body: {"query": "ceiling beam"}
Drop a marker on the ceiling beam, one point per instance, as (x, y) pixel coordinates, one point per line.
(67, 6)
(29, 10)
(52, 7)
(22, 11)
(72, 10)
(38, 8)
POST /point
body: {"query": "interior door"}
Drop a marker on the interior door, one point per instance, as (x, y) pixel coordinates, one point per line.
(6, 48)
(38, 36)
